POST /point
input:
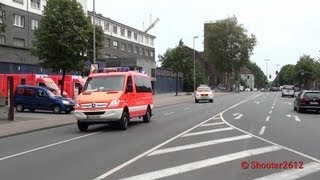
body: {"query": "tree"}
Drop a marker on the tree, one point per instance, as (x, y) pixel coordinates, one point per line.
(2, 24)
(260, 77)
(286, 75)
(63, 37)
(305, 70)
(228, 46)
(179, 60)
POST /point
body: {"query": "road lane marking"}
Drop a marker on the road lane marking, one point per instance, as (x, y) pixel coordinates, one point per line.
(197, 145)
(268, 117)
(199, 104)
(212, 124)
(121, 166)
(289, 103)
(216, 118)
(47, 146)
(270, 111)
(203, 163)
(272, 107)
(168, 113)
(297, 118)
(294, 173)
(186, 109)
(239, 116)
(262, 130)
(265, 140)
(207, 132)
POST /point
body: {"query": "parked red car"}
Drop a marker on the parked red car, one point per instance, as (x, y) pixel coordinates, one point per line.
(307, 100)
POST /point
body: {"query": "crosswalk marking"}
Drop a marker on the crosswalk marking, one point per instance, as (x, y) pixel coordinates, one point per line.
(212, 124)
(202, 164)
(207, 132)
(197, 145)
(294, 173)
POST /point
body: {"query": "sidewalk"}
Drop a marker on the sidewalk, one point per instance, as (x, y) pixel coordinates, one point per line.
(28, 122)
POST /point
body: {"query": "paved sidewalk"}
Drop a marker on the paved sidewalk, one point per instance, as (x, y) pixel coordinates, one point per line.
(28, 122)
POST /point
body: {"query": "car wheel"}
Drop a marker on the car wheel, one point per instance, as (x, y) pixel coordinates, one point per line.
(299, 110)
(31, 110)
(196, 101)
(147, 116)
(124, 121)
(211, 100)
(82, 126)
(56, 110)
(20, 108)
(294, 108)
(67, 112)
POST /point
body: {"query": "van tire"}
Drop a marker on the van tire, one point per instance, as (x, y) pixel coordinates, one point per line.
(147, 116)
(20, 108)
(56, 110)
(31, 110)
(82, 126)
(211, 100)
(67, 112)
(124, 121)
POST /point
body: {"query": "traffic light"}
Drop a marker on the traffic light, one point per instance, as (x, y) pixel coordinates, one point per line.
(276, 72)
(269, 76)
(302, 72)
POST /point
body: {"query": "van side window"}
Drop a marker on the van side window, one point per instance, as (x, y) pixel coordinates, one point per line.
(142, 84)
(129, 87)
(28, 92)
(42, 84)
(41, 93)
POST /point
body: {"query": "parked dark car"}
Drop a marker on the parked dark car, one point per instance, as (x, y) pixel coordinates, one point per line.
(40, 98)
(274, 89)
(307, 100)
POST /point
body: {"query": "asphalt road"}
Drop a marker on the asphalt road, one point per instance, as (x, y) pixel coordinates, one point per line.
(185, 141)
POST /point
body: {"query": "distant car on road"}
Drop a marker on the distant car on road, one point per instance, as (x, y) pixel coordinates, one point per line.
(263, 90)
(247, 89)
(288, 90)
(306, 100)
(274, 89)
(203, 93)
(241, 88)
(255, 89)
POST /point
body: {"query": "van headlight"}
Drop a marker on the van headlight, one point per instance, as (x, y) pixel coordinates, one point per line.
(77, 105)
(114, 103)
(65, 102)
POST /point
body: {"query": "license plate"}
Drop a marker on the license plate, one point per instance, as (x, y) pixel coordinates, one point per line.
(314, 103)
(93, 116)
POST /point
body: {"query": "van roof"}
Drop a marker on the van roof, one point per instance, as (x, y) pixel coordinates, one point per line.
(118, 73)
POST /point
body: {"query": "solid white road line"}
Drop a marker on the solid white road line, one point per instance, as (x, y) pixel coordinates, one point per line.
(168, 113)
(212, 124)
(265, 140)
(294, 173)
(197, 145)
(297, 118)
(268, 118)
(238, 117)
(207, 132)
(216, 118)
(47, 146)
(202, 164)
(109, 172)
(186, 109)
(262, 130)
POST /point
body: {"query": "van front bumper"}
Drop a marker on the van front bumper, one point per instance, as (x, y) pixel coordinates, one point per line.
(109, 115)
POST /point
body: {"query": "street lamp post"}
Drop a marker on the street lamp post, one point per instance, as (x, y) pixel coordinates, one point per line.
(278, 77)
(194, 64)
(267, 60)
(94, 32)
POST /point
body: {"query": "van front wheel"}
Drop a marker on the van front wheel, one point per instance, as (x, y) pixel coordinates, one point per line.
(124, 121)
(82, 126)
(147, 116)
(20, 108)
(56, 110)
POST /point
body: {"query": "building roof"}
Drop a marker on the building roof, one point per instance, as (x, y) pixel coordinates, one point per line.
(245, 70)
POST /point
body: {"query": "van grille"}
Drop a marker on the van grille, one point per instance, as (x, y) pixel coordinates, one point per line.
(94, 113)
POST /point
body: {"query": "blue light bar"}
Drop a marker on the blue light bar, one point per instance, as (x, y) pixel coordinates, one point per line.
(114, 69)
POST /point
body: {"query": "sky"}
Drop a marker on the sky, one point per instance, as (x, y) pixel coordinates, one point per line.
(285, 29)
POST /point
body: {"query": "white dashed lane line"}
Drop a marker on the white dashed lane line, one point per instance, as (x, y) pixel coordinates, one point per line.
(168, 113)
(268, 118)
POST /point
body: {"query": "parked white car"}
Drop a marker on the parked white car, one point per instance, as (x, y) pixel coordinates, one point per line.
(247, 89)
(288, 90)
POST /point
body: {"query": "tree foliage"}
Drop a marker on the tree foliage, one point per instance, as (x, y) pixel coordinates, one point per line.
(179, 60)
(286, 75)
(2, 23)
(260, 77)
(228, 45)
(63, 37)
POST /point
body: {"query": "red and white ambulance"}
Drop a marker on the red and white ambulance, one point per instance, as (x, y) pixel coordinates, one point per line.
(114, 96)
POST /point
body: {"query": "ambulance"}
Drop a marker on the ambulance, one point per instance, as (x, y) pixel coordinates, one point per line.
(73, 84)
(114, 96)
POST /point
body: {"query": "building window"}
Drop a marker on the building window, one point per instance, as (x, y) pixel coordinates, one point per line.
(98, 22)
(115, 57)
(18, 42)
(151, 53)
(34, 24)
(2, 16)
(106, 26)
(18, 1)
(35, 4)
(123, 46)
(18, 20)
(115, 44)
(135, 36)
(107, 56)
(130, 48)
(151, 42)
(147, 52)
(141, 38)
(2, 39)
(141, 51)
(147, 40)
(136, 49)
(107, 43)
(122, 32)
(115, 29)
(129, 34)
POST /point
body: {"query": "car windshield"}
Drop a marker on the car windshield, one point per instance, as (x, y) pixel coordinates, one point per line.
(288, 87)
(105, 83)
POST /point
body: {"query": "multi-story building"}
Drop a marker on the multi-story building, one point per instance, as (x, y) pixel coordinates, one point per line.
(123, 45)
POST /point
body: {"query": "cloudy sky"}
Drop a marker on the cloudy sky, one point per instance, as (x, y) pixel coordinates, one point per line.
(285, 29)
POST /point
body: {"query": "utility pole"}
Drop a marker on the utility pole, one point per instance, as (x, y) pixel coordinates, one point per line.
(267, 60)
(94, 32)
(194, 64)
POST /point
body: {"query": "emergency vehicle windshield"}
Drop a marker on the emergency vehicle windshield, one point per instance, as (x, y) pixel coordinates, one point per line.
(105, 83)
(52, 85)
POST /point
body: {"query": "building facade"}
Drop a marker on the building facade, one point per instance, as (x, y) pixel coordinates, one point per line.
(248, 77)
